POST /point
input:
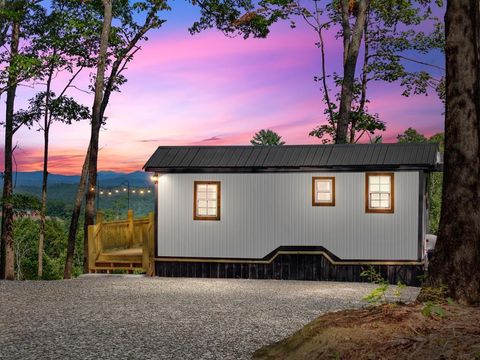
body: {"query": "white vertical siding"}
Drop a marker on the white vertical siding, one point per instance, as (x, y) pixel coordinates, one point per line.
(260, 212)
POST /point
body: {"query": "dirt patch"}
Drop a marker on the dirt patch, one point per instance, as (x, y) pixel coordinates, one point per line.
(384, 332)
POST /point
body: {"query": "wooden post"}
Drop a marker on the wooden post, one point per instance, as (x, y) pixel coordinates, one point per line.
(92, 251)
(130, 233)
(98, 233)
(99, 217)
(148, 247)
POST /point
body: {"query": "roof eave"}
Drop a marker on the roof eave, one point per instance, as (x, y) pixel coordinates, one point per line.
(362, 168)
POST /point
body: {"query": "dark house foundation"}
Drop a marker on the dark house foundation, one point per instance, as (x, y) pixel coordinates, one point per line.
(289, 267)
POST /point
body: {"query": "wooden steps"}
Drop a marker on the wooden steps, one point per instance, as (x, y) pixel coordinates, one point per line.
(125, 259)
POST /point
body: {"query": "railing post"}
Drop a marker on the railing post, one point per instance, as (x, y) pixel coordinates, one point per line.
(148, 247)
(92, 251)
(130, 233)
(99, 217)
(98, 232)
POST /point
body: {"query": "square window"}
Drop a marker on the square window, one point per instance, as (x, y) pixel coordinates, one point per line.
(379, 193)
(206, 200)
(323, 191)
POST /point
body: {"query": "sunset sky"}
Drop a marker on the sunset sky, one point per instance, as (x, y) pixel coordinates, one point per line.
(208, 89)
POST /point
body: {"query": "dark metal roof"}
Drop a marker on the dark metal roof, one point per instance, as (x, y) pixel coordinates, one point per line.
(421, 156)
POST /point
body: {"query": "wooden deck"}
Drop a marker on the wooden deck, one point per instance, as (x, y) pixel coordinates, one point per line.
(121, 245)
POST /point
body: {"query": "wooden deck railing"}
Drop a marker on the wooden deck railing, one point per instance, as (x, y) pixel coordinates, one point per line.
(117, 236)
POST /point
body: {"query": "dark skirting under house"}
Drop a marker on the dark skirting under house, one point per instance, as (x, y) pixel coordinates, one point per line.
(290, 266)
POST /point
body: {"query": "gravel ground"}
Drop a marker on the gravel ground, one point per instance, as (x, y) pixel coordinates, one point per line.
(135, 317)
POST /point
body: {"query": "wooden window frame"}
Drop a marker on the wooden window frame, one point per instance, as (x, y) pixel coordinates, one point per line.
(391, 210)
(314, 197)
(219, 197)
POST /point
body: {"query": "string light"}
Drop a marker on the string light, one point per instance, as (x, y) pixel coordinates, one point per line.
(115, 191)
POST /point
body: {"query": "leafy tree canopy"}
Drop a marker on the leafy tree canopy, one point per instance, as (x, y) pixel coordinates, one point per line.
(267, 137)
(61, 109)
(411, 135)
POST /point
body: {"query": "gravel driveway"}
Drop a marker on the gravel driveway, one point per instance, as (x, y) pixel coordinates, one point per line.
(134, 317)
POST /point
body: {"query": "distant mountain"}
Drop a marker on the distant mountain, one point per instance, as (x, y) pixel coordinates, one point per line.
(34, 178)
(62, 190)
(105, 178)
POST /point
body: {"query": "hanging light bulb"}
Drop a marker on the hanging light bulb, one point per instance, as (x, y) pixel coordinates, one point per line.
(141, 191)
(101, 192)
(149, 191)
(109, 193)
(116, 191)
(133, 191)
(124, 189)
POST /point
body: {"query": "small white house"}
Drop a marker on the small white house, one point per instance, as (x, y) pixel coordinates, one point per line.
(313, 212)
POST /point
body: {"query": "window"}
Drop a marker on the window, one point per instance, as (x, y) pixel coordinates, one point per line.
(379, 193)
(323, 191)
(206, 200)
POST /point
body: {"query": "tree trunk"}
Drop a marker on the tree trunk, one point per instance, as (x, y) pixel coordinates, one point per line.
(456, 259)
(43, 208)
(72, 233)
(363, 96)
(351, 43)
(96, 126)
(7, 253)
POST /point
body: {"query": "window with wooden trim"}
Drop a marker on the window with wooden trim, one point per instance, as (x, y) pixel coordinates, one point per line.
(323, 191)
(206, 200)
(379, 193)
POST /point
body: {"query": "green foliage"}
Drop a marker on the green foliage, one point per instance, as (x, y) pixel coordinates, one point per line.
(266, 137)
(379, 294)
(435, 180)
(26, 249)
(411, 135)
(435, 184)
(24, 203)
(26, 64)
(60, 201)
(62, 109)
(399, 290)
(431, 309)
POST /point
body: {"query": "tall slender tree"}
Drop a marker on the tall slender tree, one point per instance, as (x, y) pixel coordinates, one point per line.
(456, 258)
(21, 20)
(66, 45)
(44, 110)
(7, 206)
(118, 45)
